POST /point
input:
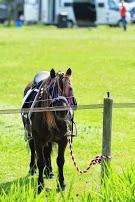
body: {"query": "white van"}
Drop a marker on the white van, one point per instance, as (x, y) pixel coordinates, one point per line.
(108, 12)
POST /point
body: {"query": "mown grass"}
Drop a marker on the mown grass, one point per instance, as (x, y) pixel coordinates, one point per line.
(102, 60)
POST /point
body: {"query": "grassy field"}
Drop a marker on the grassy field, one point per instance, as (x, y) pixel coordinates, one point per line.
(102, 59)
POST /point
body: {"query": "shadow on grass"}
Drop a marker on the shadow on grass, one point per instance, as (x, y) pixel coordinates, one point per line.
(27, 183)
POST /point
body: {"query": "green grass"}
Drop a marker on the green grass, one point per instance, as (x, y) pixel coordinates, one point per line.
(102, 59)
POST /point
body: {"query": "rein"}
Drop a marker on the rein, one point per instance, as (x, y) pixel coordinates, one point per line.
(97, 160)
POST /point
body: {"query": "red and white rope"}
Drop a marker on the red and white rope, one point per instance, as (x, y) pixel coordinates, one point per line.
(96, 160)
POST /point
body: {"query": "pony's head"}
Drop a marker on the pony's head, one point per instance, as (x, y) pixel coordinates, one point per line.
(58, 92)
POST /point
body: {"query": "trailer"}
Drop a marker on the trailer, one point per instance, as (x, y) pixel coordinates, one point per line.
(31, 11)
(98, 12)
(54, 11)
(85, 12)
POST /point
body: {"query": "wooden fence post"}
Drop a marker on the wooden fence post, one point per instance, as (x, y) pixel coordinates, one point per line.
(106, 138)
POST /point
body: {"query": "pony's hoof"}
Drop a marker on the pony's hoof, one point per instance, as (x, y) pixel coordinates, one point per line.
(51, 175)
(61, 188)
(31, 173)
(40, 189)
(32, 170)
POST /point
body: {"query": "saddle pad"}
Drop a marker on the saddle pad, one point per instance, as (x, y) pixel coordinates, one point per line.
(43, 75)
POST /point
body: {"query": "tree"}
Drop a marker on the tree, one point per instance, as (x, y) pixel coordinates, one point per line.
(10, 4)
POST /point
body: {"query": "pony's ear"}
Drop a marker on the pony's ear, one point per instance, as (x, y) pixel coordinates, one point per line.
(52, 73)
(69, 72)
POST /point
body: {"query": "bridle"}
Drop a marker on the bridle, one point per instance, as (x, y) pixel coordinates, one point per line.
(55, 91)
(56, 88)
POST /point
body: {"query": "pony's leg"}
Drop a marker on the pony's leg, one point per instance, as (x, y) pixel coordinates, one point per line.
(33, 158)
(47, 154)
(60, 162)
(40, 163)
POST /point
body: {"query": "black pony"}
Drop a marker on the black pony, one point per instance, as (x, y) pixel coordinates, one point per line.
(47, 127)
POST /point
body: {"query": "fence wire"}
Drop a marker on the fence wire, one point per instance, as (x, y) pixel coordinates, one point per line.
(79, 107)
